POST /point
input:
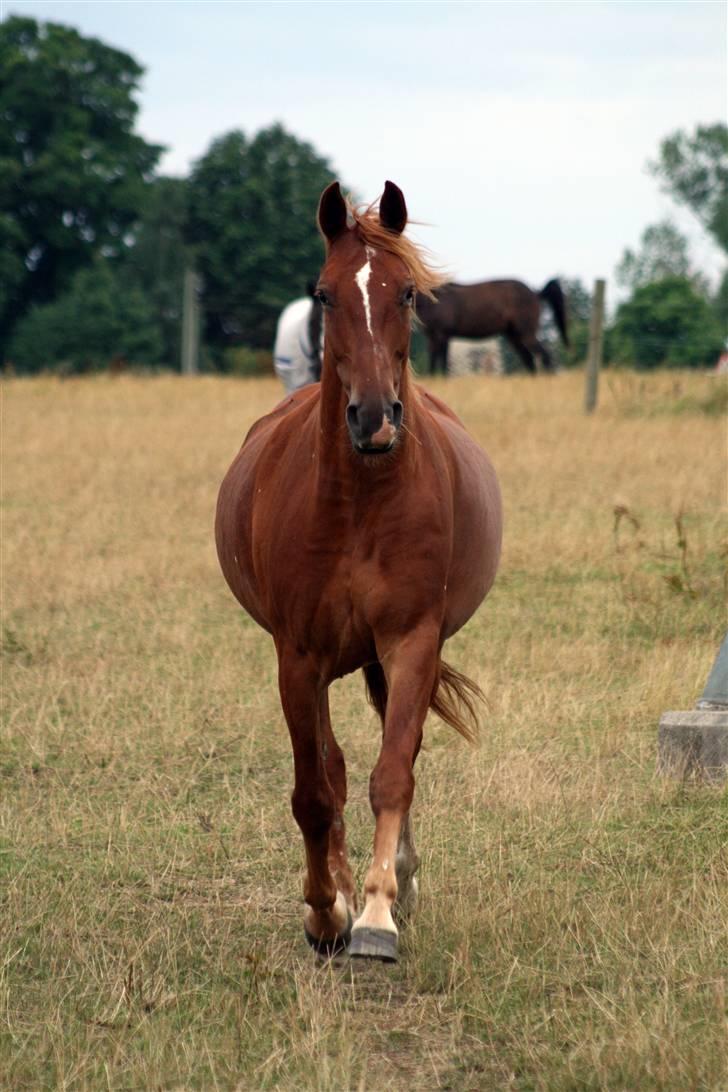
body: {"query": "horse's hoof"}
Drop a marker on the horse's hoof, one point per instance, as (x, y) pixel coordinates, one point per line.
(371, 943)
(327, 949)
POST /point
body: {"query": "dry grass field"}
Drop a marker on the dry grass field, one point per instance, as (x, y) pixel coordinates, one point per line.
(573, 925)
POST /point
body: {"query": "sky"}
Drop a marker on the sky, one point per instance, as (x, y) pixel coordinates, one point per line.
(519, 131)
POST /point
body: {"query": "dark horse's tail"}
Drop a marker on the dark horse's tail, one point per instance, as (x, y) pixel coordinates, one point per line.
(551, 292)
(455, 697)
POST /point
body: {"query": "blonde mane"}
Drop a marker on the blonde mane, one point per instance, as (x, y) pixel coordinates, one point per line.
(425, 275)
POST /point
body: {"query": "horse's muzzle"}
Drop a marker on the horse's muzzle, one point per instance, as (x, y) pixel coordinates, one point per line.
(373, 429)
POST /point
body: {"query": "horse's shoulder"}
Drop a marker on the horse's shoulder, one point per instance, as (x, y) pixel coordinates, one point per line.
(436, 405)
(295, 400)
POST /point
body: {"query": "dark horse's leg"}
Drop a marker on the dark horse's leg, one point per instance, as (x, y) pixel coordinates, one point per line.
(314, 801)
(545, 355)
(443, 355)
(523, 351)
(410, 665)
(437, 348)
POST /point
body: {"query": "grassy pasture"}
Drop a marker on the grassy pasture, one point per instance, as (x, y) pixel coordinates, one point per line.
(573, 925)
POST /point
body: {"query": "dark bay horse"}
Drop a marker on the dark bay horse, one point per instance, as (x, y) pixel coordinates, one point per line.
(509, 308)
(360, 525)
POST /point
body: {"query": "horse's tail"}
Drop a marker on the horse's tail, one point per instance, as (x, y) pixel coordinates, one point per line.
(455, 698)
(554, 297)
(377, 689)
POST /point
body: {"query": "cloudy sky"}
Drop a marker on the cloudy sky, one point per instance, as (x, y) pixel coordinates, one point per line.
(519, 131)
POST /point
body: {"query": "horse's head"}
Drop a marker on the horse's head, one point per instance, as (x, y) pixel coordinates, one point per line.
(367, 291)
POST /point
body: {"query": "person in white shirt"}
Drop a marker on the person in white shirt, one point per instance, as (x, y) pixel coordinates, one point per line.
(299, 343)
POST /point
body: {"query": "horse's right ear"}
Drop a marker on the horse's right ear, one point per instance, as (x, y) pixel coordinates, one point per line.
(332, 212)
(392, 209)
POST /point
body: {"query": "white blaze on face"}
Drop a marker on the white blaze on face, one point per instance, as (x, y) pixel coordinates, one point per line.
(362, 280)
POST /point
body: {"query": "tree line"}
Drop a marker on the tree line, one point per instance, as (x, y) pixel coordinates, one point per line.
(94, 241)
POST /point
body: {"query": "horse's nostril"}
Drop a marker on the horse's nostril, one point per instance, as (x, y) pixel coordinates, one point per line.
(352, 415)
(396, 414)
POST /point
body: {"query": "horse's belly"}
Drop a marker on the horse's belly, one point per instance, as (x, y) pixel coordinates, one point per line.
(335, 583)
(477, 536)
(234, 534)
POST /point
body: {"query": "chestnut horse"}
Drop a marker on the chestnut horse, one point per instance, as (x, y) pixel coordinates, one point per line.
(360, 525)
(509, 308)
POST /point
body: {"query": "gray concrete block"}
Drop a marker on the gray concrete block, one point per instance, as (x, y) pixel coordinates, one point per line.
(694, 743)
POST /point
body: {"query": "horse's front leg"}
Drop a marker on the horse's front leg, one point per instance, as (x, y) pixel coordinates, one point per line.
(411, 670)
(327, 920)
(336, 773)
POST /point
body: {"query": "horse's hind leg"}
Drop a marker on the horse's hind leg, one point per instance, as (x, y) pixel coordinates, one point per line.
(327, 919)
(411, 671)
(405, 866)
(523, 351)
(336, 772)
(545, 355)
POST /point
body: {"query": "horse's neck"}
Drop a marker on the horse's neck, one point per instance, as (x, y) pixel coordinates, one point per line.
(332, 409)
(333, 440)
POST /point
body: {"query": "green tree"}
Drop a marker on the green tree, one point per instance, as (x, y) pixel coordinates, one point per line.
(720, 303)
(252, 224)
(158, 257)
(578, 299)
(72, 171)
(99, 320)
(693, 169)
(663, 253)
(665, 323)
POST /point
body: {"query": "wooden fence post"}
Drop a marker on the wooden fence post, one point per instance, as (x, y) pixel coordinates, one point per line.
(190, 323)
(594, 359)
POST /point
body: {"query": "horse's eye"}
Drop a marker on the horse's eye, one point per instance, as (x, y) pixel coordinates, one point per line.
(322, 297)
(408, 297)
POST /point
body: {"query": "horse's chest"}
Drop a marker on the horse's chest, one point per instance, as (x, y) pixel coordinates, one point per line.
(373, 587)
(332, 573)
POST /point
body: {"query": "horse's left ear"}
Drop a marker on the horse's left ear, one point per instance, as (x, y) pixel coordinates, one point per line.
(392, 209)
